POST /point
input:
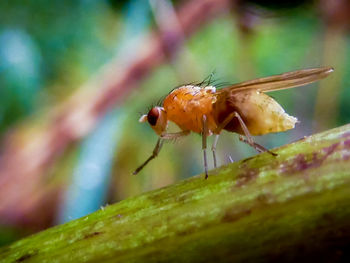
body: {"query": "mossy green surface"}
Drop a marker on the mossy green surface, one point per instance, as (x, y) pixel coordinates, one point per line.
(293, 207)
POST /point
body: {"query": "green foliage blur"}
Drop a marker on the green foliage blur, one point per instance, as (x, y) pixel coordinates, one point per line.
(49, 48)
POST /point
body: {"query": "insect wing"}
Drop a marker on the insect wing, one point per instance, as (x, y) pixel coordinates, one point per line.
(282, 81)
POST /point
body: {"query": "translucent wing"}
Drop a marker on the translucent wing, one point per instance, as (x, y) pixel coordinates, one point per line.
(283, 81)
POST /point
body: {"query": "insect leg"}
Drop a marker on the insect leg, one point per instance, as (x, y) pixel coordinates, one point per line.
(249, 140)
(204, 144)
(217, 131)
(213, 148)
(257, 146)
(224, 123)
(175, 135)
(155, 152)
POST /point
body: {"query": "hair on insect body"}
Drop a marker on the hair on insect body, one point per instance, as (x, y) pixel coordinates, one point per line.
(242, 108)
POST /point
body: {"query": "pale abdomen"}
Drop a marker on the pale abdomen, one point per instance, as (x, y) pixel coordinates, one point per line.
(261, 113)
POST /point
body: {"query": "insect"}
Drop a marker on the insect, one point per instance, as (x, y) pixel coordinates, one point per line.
(243, 108)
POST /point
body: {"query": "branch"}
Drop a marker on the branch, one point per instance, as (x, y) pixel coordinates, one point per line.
(295, 206)
(24, 160)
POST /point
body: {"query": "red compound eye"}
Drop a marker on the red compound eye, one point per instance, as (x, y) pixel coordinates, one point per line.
(153, 116)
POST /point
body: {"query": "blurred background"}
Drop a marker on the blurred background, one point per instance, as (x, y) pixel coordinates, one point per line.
(75, 77)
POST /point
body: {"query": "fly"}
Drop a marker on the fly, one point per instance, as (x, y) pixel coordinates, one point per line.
(243, 108)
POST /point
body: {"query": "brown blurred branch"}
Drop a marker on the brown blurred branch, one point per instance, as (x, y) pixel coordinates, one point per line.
(24, 163)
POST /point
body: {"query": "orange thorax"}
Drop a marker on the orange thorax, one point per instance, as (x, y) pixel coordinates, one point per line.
(185, 106)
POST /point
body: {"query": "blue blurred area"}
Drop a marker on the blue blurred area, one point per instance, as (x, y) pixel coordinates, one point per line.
(91, 176)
